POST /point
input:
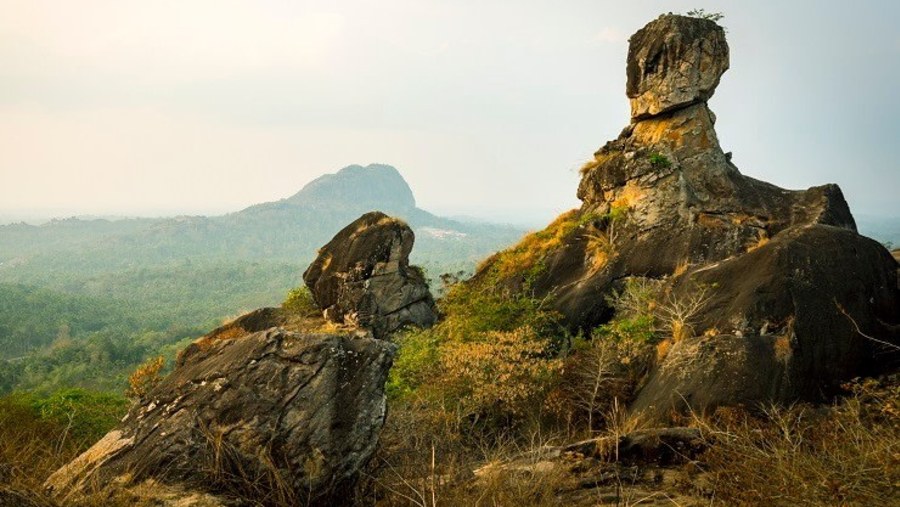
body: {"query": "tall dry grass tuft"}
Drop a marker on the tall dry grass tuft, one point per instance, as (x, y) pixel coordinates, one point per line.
(261, 481)
(32, 447)
(846, 454)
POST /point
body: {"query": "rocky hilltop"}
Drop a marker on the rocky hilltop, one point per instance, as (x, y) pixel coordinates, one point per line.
(769, 295)
(375, 186)
(789, 286)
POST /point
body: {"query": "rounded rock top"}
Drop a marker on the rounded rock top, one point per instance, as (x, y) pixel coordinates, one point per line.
(674, 61)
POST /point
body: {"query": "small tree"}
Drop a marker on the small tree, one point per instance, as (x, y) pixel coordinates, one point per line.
(680, 313)
(702, 14)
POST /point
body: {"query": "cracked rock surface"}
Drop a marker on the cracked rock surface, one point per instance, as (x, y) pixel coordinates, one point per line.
(362, 277)
(243, 416)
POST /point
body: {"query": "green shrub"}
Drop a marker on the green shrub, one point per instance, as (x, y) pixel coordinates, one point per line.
(88, 415)
(417, 358)
(300, 300)
(659, 161)
(641, 329)
(702, 14)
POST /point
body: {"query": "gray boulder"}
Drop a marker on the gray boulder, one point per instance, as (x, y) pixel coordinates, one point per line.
(270, 416)
(362, 277)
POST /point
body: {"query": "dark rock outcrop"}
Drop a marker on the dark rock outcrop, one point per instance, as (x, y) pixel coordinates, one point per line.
(664, 199)
(787, 319)
(362, 277)
(268, 416)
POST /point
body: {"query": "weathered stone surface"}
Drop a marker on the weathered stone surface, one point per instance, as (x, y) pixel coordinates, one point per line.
(272, 415)
(673, 62)
(664, 198)
(362, 277)
(788, 318)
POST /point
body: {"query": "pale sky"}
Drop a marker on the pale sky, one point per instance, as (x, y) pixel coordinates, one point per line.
(487, 108)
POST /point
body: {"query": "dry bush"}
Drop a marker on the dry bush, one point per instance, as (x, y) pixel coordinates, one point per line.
(233, 476)
(599, 378)
(145, 378)
(505, 371)
(679, 314)
(847, 454)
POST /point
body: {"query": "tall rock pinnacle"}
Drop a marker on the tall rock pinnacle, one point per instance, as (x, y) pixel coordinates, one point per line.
(787, 275)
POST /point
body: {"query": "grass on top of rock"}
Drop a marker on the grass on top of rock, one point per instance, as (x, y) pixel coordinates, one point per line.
(527, 256)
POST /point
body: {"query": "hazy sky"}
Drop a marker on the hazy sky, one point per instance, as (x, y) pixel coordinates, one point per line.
(148, 107)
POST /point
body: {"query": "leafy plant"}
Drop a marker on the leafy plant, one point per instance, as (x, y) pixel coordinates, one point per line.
(659, 161)
(300, 300)
(702, 14)
(86, 415)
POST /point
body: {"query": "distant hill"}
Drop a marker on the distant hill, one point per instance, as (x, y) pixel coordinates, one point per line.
(289, 230)
(373, 186)
(130, 277)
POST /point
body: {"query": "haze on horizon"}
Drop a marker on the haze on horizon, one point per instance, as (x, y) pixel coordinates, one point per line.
(150, 108)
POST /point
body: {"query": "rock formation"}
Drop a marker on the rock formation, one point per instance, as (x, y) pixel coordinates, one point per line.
(674, 62)
(362, 277)
(270, 415)
(789, 278)
(268, 408)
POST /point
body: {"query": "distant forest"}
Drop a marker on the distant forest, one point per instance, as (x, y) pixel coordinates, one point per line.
(83, 302)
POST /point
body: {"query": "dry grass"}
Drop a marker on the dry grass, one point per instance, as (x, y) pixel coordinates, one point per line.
(233, 476)
(424, 460)
(763, 240)
(846, 454)
(535, 246)
(30, 450)
(681, 268)
(598, 249)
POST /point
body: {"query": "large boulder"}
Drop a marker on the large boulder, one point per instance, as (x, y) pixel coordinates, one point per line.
(789, 321)
(674, 61)
(362, 277)
(264, 417)
(664, 201)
